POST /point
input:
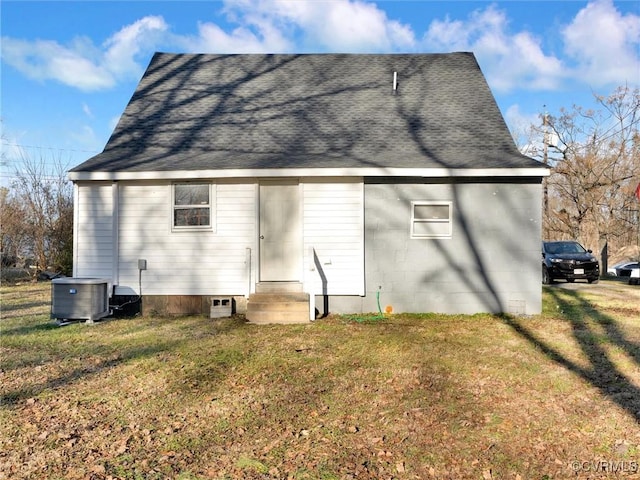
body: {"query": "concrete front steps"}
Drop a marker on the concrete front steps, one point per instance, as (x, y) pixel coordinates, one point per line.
(278, 302)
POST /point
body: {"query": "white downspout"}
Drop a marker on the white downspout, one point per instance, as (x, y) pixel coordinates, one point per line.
(309, 287)
(115, 236)
(76, 227)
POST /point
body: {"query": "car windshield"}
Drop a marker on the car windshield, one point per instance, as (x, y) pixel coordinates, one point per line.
(564, 247)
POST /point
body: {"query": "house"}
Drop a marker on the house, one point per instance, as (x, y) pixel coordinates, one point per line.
(363, 182)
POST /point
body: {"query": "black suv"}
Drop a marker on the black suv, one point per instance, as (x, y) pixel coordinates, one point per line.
(569, 261)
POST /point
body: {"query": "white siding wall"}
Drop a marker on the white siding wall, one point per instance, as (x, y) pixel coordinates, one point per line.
(334, 230)
(93, 228)
(188, 262)
(215, 262)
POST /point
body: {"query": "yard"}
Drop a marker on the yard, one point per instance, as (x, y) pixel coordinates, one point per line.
(406, 396)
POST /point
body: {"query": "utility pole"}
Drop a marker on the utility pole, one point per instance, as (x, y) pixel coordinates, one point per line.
(545, 188)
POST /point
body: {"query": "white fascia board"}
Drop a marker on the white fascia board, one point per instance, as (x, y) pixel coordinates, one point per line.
(310, 172)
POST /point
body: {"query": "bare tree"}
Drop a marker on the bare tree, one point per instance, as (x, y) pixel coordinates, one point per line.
(595, 161)
(13, 239)
(40, 216)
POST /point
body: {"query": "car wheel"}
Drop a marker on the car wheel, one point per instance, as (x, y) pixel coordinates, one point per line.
(593, 280)
(546, 278)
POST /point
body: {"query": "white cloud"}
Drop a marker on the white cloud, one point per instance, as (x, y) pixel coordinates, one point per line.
(601, 44)
(524, 64)
(520, 120)
(356, 26)
(44, 60)
(260, 26)
(123, 48)
(279, 26)
(483, 30)
(605, 44)
(11, 146)
(113, 122)
(508, 60)
(600, 41)
(87, 110)
(336, 25)
(520, 126)
(213, 39)
(84, 136)
(81, 64)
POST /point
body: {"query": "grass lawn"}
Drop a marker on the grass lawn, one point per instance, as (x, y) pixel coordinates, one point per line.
(410, 396)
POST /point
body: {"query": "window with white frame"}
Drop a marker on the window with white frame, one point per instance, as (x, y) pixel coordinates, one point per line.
(193, 206)
(431, 219)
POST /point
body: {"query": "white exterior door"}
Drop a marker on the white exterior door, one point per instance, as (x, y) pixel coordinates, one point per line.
(280, 232)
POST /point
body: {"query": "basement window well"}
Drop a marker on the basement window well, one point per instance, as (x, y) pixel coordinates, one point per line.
(431, 219)
(193, 206)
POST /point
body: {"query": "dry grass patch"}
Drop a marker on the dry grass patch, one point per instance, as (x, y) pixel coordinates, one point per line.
(408, 396)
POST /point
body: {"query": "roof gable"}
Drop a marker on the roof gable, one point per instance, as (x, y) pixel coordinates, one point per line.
(195, 112)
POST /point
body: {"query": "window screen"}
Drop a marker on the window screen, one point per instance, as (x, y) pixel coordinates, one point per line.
(431, 219)
(192, 205)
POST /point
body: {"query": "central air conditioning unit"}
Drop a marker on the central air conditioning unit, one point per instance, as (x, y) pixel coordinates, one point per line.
(79, 299)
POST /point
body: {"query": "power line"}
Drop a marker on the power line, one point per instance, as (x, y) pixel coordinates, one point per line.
(44, 147)
(44, 177)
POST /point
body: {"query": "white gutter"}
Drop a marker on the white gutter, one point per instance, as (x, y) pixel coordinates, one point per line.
(310, 172)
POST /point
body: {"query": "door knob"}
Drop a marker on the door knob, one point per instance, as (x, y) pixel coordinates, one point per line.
(261, 237)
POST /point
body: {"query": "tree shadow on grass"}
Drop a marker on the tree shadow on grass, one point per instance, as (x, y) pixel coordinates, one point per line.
(585, 321)
(116, 357)
(28, 329)
(12, 398)
(13, 311)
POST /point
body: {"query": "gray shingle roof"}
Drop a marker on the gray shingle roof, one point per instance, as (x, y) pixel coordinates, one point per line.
(203, 112)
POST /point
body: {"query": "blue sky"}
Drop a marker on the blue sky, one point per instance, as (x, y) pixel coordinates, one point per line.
(69, 68)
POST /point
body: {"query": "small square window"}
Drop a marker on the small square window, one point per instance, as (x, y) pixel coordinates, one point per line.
(192, 206)
(431, 219)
